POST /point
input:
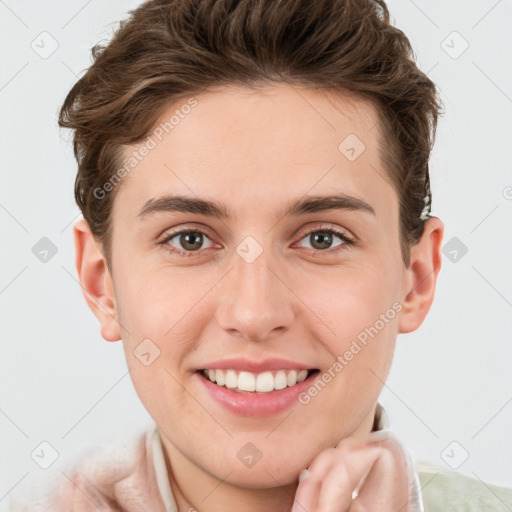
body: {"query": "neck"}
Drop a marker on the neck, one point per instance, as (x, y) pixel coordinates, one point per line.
(278, 499)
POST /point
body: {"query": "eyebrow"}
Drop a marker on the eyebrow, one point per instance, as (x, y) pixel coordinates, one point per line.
(310, 204)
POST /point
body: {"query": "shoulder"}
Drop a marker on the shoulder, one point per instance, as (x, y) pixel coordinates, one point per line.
(449, 491)
(108, 477)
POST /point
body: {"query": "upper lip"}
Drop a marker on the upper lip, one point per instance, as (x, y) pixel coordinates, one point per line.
(249, 365)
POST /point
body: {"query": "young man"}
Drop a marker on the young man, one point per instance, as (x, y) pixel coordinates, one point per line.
(254, 182)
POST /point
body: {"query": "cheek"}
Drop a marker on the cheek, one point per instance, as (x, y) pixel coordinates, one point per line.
(353, 299)
(359, 308)
(159, 331)
(160, 390)
(157, 305)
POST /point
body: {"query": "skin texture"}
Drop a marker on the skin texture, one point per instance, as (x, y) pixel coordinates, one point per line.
(256, 152)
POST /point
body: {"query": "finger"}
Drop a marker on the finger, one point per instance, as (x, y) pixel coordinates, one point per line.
(334, 474)
(306, 495)
(388, 484)
(350, 468)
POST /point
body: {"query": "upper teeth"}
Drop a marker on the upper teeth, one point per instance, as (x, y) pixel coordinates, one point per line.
(262, 382)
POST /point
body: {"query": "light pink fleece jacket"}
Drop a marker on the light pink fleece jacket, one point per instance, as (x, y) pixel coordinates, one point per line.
(129, 477)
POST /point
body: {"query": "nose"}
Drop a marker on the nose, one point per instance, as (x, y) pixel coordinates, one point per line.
(256, 302)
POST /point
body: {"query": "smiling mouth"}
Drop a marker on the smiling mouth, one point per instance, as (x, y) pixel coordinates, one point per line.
(257, 383)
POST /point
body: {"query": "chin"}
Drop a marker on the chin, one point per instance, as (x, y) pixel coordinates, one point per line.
(265, 477)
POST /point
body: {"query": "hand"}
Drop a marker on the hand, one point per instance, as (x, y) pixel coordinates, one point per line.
(378, 469)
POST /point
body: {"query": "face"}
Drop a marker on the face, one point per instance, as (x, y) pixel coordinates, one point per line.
(267, 279)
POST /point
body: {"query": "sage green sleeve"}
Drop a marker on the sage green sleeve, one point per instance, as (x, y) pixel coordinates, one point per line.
(444, 490)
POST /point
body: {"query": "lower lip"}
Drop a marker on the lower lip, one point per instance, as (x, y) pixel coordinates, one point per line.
(256, 404)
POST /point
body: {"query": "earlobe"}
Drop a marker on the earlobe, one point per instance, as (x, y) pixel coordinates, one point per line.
(421, 278)
(96, 281)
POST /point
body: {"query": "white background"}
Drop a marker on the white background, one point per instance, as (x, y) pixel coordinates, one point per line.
(450, 380)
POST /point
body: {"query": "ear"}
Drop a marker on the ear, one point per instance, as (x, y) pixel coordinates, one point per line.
(421, 276)
(96, 281)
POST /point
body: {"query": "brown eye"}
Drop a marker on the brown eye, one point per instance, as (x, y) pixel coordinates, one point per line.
(323, 239)
(191, 241)
(186, 242)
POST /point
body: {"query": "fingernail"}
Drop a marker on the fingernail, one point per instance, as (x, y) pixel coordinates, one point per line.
(303, 474)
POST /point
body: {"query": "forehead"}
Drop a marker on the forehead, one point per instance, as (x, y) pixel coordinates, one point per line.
(249, 147)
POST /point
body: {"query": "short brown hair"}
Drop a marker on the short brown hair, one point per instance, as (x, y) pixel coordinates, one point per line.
(168, 49)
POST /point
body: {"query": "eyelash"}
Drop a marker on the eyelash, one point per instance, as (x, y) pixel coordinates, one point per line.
(347, 241)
